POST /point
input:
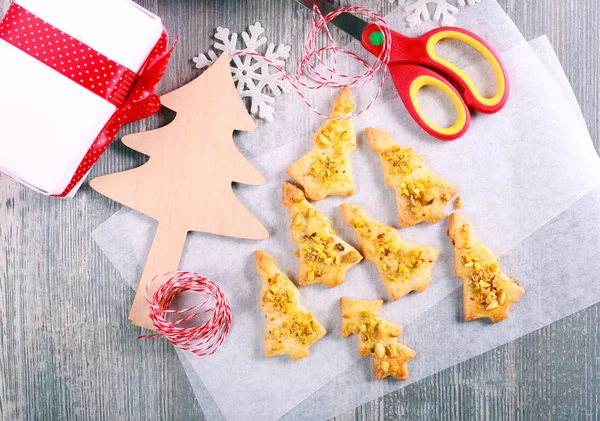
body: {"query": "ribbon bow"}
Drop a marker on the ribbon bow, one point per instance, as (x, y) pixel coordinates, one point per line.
(141, 102)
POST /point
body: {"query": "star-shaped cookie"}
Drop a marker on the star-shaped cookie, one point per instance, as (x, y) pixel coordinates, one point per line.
(421, 195)
(376, 337)
(324, 257)
(290, 328)
(487, 291)
(326, 169)
(403, 266)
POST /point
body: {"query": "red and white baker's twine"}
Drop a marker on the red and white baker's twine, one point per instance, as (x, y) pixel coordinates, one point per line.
(325, 75)
(200, 340)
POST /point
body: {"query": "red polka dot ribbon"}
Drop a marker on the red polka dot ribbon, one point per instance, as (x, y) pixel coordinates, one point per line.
(133, 94)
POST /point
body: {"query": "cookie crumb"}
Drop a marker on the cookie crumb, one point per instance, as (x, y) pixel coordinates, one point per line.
(458, 203)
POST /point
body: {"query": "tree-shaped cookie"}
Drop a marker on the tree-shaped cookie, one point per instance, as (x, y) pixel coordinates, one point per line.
(487, 291)
(326, 169)
(186, 183)
(324, 257)
(403, 266)
(376, 337)
(421, 195)
(290, 328)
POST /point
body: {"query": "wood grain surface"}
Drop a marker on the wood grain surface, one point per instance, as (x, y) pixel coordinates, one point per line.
(68, 351)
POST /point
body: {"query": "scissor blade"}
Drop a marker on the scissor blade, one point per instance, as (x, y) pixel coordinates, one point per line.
(347, 22)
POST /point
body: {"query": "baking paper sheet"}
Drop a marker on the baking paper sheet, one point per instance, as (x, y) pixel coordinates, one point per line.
(560, 268)
(559, 253)
(326, 403)
(508, 204)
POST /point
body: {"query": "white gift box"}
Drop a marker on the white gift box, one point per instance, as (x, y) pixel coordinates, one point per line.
(47, 121)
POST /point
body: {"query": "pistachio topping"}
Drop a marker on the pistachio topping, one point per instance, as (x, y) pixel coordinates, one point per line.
(488, 292)
(399, 263)
(279, 297)
(326, 169)
(319, 247)
(484, 281)
(336, 133)
(420, 193)
(291, 329)
(302, 327)
(403, 161)
(377, 337)
(379, 349)
(329, 169)
(300, 324)
(324, 257)
(458, 203)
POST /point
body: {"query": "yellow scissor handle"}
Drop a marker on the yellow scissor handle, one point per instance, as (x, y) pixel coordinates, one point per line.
(409, 79)
(471, 94)
(461, 120)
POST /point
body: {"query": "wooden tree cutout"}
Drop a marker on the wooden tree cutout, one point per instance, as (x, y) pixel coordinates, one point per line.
(186, 183)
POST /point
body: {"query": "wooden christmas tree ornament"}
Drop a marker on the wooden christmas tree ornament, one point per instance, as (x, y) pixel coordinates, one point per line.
(186, 183)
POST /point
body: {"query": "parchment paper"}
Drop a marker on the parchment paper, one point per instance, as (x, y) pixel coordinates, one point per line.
(509, 203)
(560, 258)
(325, 403)
(524, 197)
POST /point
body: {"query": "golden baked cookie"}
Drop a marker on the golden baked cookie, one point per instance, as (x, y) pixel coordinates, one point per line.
(326, 169)
(403, 266)
(324, 257)
(487, 291)
(421, 195)
(376, 337)
(290, 328)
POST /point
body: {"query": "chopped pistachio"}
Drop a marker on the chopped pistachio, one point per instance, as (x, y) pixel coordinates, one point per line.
(494, 304)
(458, 203)
(379, 349)
(300, 222)
(392, 350)
(501, 296)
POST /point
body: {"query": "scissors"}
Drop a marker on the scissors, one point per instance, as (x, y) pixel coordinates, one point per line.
(414, 63)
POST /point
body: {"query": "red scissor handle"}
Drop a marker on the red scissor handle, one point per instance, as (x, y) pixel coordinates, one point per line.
(409, 61)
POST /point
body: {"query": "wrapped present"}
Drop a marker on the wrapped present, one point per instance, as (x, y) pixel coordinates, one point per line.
(73, 72)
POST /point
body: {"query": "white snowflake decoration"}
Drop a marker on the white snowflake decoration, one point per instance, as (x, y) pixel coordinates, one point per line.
(444, 11)
(255, 78)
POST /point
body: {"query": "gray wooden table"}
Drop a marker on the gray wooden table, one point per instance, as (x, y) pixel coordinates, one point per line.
(67, 350)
